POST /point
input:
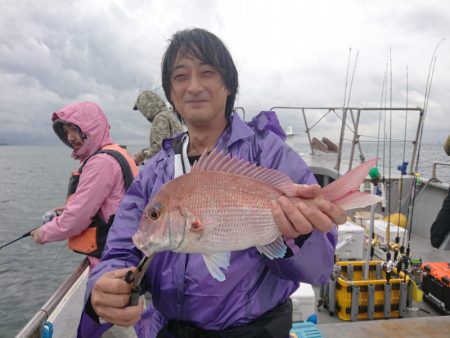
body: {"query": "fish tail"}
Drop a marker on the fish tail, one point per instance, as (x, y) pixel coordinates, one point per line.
(357, 199)
(345, 190)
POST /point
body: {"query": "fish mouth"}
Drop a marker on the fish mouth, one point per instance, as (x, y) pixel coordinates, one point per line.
(139, 243)
(157, 239)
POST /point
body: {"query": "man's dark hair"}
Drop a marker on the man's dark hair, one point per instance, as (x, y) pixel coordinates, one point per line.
(206, 47)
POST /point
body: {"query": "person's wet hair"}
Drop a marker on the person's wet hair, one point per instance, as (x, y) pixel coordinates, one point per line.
(206, 47)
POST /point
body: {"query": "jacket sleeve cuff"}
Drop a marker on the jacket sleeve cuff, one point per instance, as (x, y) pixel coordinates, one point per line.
(294, 245)
(91, 312)
(43, 232)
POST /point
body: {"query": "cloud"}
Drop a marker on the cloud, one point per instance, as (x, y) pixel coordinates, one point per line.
(56, 52)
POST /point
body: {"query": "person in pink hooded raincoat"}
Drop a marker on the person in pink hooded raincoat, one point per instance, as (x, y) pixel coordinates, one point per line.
(96, 188)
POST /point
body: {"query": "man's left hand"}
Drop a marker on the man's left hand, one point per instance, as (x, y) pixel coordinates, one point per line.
(312, 212)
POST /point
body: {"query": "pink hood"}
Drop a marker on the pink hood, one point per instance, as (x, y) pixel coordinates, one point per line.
(93, 125)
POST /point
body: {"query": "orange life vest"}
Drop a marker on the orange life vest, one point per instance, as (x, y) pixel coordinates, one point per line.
(92, 240)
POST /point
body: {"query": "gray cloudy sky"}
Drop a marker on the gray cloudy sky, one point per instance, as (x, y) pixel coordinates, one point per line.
(288, 53)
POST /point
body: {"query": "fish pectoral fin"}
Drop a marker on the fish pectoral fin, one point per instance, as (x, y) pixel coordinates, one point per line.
(276, 249)
(203, 224)
(209, 223)
(197, 225)
(215, 261)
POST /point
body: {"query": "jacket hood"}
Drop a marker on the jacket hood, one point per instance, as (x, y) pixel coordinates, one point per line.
(149, 104)
(91, 121)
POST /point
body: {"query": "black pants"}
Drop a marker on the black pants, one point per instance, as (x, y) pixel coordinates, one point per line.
(441, 226)
(276, 323)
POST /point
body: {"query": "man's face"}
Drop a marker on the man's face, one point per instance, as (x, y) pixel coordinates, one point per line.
(73, 136)
(198, 92)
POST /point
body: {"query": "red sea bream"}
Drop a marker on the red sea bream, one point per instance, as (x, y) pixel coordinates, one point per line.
(223, 205)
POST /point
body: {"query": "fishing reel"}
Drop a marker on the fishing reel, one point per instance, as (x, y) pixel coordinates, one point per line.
(48, 216)
(415, 271)
(388, 266)
(410, 266)
(395, 247)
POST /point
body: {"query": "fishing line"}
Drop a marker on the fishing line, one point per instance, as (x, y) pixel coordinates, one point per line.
(351, 81)
(361, 156)
(344, 114)
(346, 75)
(381, 106)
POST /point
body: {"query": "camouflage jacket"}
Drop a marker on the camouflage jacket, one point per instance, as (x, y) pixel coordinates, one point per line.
(165, 124)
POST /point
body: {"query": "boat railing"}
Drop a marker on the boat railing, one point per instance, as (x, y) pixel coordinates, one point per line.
(33, 327)
(353, 126)
(242, 110)
(434, 167)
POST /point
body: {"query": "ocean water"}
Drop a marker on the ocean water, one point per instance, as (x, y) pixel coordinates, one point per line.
(390, 157)
(34, 180)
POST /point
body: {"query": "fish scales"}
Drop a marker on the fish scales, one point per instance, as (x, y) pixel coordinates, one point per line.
(223, 205)
(240, 207)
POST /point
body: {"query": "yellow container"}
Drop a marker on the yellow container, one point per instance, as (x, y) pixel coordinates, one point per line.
(344, 289)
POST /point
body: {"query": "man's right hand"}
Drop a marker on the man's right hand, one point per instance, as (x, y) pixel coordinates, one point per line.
(110, 297)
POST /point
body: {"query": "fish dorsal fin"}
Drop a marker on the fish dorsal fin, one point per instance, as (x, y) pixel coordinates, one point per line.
(348, 183)
(216, 160)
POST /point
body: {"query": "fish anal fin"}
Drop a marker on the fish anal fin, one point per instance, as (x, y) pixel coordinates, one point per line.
(215, 262)
(276, 249)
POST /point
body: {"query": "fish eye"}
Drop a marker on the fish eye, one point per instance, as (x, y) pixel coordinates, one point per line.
(155, 213)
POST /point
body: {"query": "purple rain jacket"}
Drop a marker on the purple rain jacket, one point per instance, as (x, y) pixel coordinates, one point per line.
(180, 284)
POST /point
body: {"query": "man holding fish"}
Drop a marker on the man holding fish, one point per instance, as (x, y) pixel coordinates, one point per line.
(279, 233)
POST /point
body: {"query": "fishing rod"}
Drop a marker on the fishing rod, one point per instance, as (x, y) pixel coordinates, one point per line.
(48, 216)
(375, 174)
(389, 181)
(403, 170)
(415, 264)
(18, 238)
(384, 137)
(426, 100)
